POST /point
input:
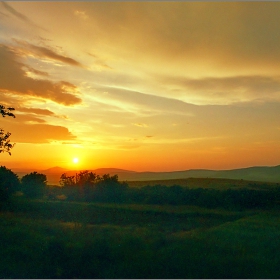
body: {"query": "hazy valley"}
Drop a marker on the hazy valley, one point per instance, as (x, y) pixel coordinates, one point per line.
(256, 173)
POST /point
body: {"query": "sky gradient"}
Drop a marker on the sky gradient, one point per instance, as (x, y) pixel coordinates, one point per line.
(158, 86)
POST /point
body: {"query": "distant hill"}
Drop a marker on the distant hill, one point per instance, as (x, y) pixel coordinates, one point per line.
(54, 173)
(257, 173)
(111, 170)
(55, 169)
(264, 174)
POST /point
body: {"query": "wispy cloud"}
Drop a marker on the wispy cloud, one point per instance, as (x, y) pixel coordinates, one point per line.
(37, 111)
(19, 15)
(36, 72)
(99, 62)
(81, 14)
(140, 124)
(48, 53)
(226, 90)
(141, 103)
(3, 15)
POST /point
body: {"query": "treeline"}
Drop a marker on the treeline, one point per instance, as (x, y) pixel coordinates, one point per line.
(232, 199)
(89, 187)
(32, 185)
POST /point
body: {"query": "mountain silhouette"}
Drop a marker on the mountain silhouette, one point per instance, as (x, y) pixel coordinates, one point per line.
(256, 173)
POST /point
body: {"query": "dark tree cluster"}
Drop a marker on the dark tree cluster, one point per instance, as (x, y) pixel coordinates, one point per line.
(32, 185)
(234, 199)
(87, 186)
(9, 183)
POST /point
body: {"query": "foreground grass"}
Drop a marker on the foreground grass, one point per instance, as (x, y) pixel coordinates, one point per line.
(77, 240)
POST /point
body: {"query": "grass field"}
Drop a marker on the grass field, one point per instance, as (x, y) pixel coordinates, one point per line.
(51, 239)
(211, 183)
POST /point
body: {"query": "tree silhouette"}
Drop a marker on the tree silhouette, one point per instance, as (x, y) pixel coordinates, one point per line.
(88, 186)
(9, 183)
(33, 184)
(5, 145)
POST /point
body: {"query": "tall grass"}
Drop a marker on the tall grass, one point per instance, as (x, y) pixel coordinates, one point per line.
(79, 240)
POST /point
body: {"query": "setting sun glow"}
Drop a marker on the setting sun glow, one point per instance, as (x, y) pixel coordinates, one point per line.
(143, 94)
(75, 160)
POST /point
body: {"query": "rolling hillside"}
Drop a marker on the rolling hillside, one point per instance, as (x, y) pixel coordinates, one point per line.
(257, 173)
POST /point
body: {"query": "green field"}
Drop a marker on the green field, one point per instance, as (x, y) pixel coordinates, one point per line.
(52, 239)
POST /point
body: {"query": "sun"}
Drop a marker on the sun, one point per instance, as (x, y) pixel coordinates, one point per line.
(75, 160)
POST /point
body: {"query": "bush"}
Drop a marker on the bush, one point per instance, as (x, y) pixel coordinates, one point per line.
(9, 183)
(33, 184)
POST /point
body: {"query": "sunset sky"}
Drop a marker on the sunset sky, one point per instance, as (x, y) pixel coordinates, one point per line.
(144, 86)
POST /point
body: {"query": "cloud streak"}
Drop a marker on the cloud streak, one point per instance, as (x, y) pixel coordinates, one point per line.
(44, 52)
(18, 15)
(141, 103)
(225, 90)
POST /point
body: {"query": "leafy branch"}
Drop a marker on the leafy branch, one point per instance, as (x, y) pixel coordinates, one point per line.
(5, 145)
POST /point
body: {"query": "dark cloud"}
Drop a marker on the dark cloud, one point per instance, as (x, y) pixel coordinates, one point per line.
(14, 80)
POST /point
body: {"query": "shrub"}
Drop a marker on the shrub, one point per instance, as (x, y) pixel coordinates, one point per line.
(33, 184)
(9, 183)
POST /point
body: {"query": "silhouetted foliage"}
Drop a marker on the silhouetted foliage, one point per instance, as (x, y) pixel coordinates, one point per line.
(5, 145)
(6, 111)
(109, 189)
(233, 199)
(33, 184)
(67, 181)
(9, 183)
(88, 186)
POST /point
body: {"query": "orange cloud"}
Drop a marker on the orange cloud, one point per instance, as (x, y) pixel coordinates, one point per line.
(38, 133)
(15, 80)
(36, 111)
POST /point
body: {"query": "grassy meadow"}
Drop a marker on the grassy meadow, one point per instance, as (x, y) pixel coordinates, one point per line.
(62, 239)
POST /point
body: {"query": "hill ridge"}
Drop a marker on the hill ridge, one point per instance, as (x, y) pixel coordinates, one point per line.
(253, 173)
